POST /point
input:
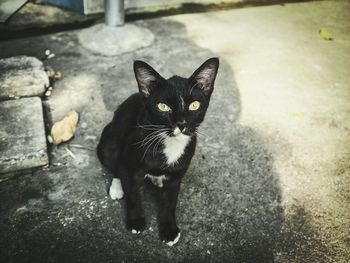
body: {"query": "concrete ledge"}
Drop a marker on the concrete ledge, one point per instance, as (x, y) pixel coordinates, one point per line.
(22, 76)
(22, 135)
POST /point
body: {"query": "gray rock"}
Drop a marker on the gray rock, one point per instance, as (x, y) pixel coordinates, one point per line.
(22, 135)
(22, 76)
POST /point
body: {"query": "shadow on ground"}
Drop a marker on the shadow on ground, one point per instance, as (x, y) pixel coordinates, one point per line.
(229, 207)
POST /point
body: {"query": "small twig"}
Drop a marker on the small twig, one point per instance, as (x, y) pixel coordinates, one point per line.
(81, 147)
(63, 156)
(70, 152)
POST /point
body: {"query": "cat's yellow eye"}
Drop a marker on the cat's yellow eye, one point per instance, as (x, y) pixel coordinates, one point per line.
(163, 107)
(194, 105)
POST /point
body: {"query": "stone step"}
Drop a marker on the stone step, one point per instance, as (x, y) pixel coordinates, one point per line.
(22, 76)
(22, 135)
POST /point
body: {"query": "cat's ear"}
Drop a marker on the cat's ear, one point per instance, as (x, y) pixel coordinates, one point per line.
(146, 77)
(204, 76)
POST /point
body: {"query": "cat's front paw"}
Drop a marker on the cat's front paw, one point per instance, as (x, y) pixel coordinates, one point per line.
(170, 235)
(136, 226)
(116, 190)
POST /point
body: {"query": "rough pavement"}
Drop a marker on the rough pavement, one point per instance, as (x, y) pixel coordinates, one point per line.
(265, 185)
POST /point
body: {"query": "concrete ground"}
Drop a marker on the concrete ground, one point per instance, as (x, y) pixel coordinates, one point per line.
(270, 180)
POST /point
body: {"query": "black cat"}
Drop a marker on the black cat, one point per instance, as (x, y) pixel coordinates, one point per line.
(153, 136)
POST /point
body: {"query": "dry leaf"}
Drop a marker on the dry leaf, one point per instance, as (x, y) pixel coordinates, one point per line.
(65, 129)
(325, 35)
(57, 75)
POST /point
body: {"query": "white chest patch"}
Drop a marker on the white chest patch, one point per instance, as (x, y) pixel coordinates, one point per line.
(174, 147)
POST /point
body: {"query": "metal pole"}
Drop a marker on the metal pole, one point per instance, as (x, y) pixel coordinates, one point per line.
(114, 12)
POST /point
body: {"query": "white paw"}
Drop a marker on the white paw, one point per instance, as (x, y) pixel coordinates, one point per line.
(116, 190)
(171, 243)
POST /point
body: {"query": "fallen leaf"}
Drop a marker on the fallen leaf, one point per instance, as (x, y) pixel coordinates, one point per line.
(325, 34)
(57, 75)
(65, 129)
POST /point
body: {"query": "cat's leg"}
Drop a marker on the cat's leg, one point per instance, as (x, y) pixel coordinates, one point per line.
(116, 189)
(169, 232)
(135, 221)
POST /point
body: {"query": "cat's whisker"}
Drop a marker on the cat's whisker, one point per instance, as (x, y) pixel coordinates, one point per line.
(153, 140)
(145, 139)
(161, 139)
(152, 135)
(155, 145)
(149, 137)
(155, 133)
(150, 129)
(147, 146)
(150, 126)
(201, 134)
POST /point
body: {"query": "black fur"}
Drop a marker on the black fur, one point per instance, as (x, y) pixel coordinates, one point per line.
(123, 147)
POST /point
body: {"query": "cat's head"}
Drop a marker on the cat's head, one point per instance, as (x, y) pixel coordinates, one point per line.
(177, 105)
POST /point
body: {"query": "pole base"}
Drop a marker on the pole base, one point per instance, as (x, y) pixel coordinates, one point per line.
(112, 41)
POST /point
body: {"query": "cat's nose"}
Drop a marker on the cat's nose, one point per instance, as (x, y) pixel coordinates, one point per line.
(181, 125)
